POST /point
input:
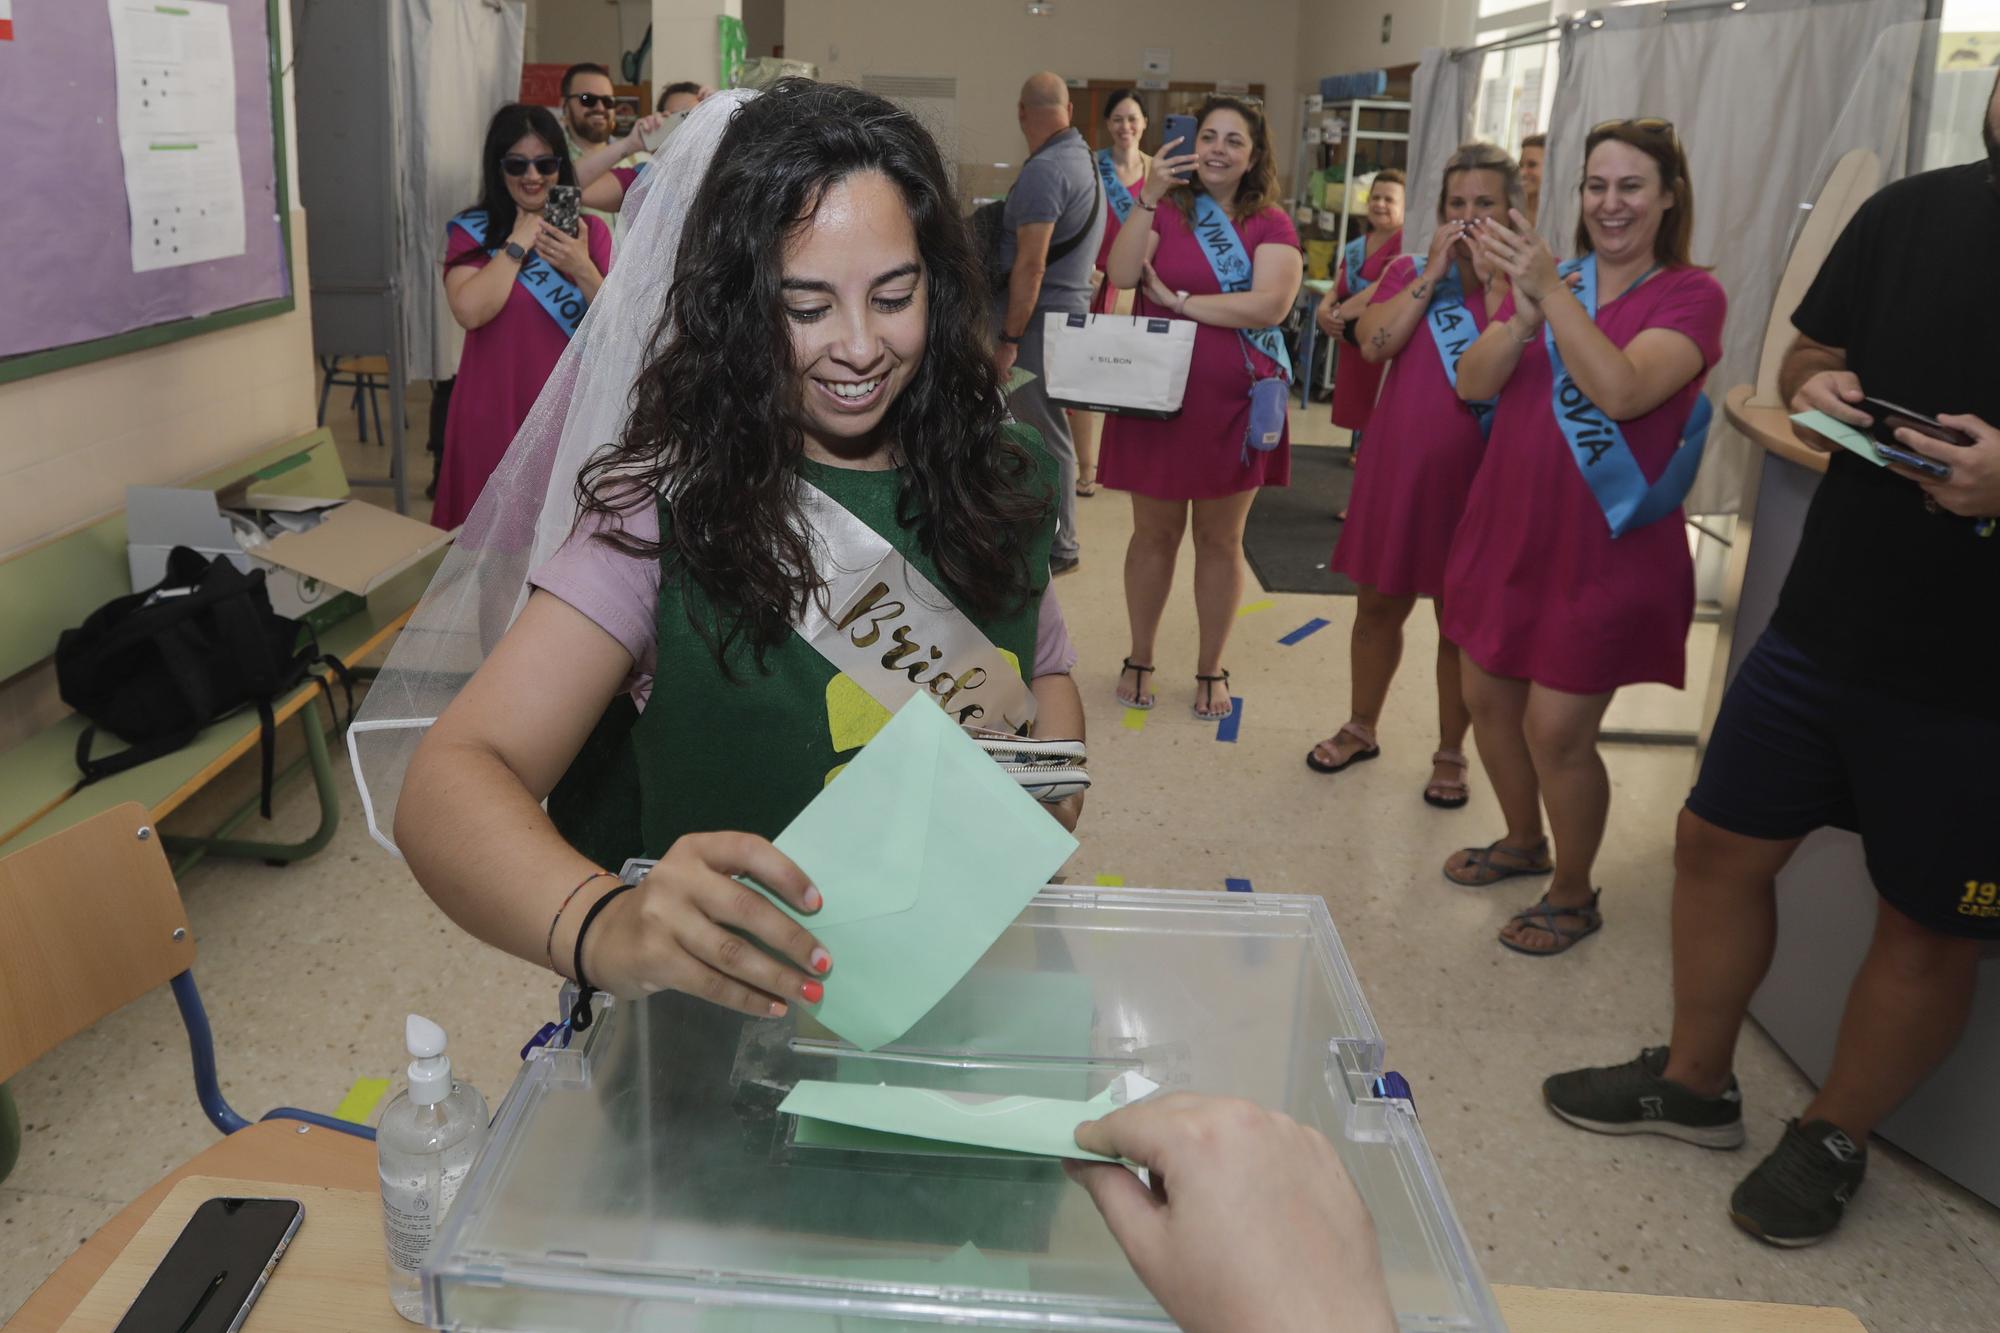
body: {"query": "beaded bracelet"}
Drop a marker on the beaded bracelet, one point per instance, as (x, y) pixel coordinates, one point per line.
(549, 945)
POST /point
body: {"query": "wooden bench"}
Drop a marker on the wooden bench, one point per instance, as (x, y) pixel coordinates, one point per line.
(52, 587)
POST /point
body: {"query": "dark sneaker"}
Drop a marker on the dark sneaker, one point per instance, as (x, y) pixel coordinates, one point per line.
(1797, 1194)
(1632, 1098)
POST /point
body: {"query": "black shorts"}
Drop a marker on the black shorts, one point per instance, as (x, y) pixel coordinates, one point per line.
(1795, 749)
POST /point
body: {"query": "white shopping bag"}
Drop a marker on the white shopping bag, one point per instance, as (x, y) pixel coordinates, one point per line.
(1128, 364)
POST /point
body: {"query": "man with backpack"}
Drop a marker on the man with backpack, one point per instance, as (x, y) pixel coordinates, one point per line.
(1053, 220)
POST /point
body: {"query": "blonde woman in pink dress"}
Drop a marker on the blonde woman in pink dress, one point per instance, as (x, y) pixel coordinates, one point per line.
(1426, 447)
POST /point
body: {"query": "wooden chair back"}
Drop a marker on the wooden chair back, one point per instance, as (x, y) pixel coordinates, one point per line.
(90, 920)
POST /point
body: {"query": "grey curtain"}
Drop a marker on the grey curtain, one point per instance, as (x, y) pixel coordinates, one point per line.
(1757, 96)
(1442, 94)
(456, 62)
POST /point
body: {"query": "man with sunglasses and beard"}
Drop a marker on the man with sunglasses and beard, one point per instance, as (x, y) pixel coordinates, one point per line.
(1869, 704)
(589, 115)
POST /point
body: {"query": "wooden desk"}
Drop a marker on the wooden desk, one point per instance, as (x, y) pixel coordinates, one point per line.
(349, 1243)
(1770, 427)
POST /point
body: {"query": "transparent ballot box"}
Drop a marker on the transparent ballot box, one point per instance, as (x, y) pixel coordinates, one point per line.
(643, 1178)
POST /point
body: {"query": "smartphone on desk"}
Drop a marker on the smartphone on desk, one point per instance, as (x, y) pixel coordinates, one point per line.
(1889, 418)
(564, 203)
(216, 1268)
(1183, 128)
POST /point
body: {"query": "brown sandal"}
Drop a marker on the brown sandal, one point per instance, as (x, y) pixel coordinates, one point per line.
(1443, 793)
(1360, 731)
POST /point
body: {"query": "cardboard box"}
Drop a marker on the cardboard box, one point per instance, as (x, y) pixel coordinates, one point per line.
(320, 575)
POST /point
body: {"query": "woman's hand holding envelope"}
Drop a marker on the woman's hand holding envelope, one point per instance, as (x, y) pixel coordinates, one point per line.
(679, 929)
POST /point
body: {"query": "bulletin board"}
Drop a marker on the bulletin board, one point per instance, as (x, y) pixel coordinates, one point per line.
(69, 292)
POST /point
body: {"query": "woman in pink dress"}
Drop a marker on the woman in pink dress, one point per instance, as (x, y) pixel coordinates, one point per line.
(518, 286)
(1550, 610)
(1121, 168)
(1427, 446)
(1201, 460)
(1357, 379)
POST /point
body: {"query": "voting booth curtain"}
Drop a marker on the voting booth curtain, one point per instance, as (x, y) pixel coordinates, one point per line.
(454, 63)
(1755, 94)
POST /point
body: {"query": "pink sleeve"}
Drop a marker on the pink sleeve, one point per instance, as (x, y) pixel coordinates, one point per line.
(1393, 280)
(1273, 226)
(1695, 305)
(458, 241)
(600, 243)
(1054, 654)
(616, 592)
(625, 175)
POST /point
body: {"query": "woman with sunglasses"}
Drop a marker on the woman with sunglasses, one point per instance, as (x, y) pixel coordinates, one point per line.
(518, 286)
(1570, 575)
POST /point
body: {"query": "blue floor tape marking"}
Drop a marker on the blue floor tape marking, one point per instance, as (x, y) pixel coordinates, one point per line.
(1311, 627)
(1237, 885)
(1226, 729)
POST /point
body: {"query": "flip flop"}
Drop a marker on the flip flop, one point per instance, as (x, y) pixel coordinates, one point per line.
(1140, 699)
(1360, 732)
(1482, 871)
(1206, 685)
(1542, 916)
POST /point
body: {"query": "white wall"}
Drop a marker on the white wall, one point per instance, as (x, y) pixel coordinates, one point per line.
(563, 32)
(992, 45)
(1343, 36)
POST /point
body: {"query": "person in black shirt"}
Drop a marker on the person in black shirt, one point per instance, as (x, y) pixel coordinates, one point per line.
(1872, 703)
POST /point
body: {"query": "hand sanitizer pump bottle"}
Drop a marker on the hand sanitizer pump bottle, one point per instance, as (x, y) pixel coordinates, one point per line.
(424, 1149)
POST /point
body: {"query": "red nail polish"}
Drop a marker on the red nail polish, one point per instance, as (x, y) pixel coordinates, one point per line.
(813, 992)
(822, 961)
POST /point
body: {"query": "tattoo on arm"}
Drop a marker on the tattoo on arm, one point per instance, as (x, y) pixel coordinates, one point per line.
(1422, 290)
(1379, 340)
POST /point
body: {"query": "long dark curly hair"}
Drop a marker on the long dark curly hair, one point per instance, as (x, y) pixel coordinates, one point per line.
(716, 432)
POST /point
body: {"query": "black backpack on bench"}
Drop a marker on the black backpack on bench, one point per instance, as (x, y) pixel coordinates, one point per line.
(155, 667)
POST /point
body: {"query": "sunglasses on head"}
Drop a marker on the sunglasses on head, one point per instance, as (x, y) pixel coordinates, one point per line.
(592, 101)
(515, 165)
(1644, 124)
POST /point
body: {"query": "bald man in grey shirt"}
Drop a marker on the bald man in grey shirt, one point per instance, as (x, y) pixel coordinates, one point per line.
(1056, 205)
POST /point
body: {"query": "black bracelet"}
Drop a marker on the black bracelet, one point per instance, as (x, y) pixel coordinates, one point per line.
(1010, 339)
(579, 1017)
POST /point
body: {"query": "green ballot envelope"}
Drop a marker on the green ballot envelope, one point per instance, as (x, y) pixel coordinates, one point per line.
(1842, 434)
(924, 851)
(1042, 1126)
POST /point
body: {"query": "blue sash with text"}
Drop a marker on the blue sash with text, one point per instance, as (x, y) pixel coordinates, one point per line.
(1224, 248)
(1115, 193)
(556, 294)
(1599, 446)
(1354, 259)
(1454, 329)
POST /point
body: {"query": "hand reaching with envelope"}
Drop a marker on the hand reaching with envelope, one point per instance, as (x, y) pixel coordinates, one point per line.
(1252, 1222)
(679, 929)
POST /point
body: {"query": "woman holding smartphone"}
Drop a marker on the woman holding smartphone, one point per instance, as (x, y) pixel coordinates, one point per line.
(1184, 236)
(518, 287)
(1570, 575)
(1424, 314)
(1121, 168)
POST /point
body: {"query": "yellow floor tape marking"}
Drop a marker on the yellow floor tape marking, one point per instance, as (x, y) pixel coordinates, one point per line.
(361, 1100)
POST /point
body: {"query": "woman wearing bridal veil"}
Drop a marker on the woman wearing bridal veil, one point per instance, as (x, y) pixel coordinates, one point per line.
(775, 448)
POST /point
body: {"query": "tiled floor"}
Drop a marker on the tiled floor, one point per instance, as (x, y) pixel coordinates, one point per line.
(307, 973)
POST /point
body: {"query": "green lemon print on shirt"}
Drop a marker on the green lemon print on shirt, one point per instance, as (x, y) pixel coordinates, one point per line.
(853, 715)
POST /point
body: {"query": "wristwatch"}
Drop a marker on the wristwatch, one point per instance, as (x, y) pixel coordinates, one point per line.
(516, 253)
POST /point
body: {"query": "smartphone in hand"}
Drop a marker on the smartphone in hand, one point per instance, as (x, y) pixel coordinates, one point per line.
(565, 201)
(1889, 418)
(657, 140)
(1183, 128)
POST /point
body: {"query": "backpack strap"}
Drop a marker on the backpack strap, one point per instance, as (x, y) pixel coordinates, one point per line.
(94, 770)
